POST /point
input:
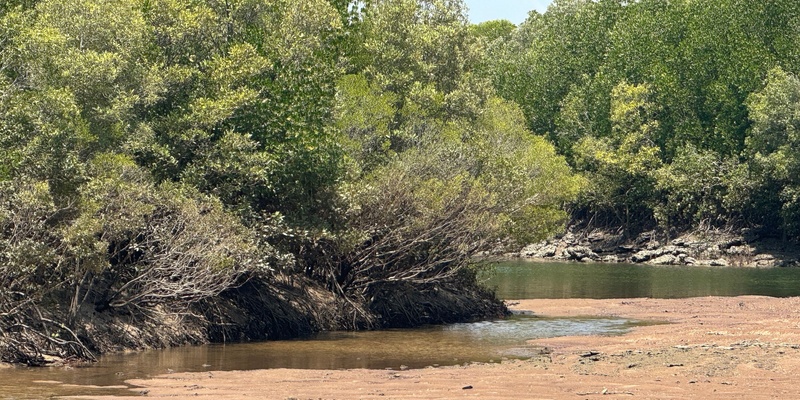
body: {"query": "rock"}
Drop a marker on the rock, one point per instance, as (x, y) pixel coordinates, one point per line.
(596, 237)
(539, 250)
(579, 252)
(764, 257)
(743, 250)
(678, 242)
(712, 252)
(627, 248)
(653, 245)
(645, 237)
(530, 250)
(666, 259)
(674, 250)
(53, 360)
(547, 251)
(611, 259)
(788, 263)
(569, 239)
(766, 263)
(690, 261)
(794, 263)
(645, 255)
(731, 243)
(719, 263)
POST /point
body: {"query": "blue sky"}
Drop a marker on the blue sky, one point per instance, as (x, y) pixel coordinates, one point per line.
(513, 10)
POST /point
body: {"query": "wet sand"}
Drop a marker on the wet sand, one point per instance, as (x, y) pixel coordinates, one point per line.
(744, 347)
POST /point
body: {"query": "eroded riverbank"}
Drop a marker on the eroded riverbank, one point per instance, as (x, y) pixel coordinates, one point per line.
(745, 347)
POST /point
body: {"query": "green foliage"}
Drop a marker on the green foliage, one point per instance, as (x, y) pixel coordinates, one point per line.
(29, 242)
(533, 183)
(579, 116)
(693, 189)
(484, 182)
(44, 137)
(775, 114)
(443, 169)
(772, 146)
(417, 41)
(378, 141)
(364, 113)
(170, 82)
(491, 31)
(549, 54)
(625, 89)
(126, 243)
(418, 78)
(620, 167)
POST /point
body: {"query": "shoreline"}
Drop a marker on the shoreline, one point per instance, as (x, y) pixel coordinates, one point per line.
(745, 347)
(707, 248)
(711, 249)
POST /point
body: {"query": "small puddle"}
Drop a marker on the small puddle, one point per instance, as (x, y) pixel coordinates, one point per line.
(487, 341)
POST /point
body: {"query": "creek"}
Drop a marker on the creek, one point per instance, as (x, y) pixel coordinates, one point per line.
(527, 280)
(487, 341)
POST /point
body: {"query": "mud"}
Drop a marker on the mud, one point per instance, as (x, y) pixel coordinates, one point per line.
(714, 347)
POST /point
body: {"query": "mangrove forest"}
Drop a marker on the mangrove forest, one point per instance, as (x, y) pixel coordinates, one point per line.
(192, 171)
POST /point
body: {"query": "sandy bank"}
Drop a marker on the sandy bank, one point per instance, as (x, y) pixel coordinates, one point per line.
(715, 348)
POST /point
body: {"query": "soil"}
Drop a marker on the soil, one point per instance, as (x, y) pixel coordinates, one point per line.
(714, 348)
(278, 307)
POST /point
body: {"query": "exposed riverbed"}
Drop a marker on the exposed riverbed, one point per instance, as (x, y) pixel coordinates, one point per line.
(484, 342)
(745, 347)
(457, 344)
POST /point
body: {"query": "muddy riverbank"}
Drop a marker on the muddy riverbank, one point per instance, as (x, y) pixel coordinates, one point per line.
(745, 347)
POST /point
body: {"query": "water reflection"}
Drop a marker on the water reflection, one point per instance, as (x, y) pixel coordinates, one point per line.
(449, 345)
(488, 341)
(527, 280)
(414, 348)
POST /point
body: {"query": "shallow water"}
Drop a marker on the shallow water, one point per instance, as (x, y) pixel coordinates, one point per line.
(443, 345)
(488, 341)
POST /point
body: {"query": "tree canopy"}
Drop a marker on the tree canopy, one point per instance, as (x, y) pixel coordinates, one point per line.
(697, 76)
(158, 153)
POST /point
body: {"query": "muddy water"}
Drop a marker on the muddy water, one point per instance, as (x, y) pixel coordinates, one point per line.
(489, 341)
(448, 345)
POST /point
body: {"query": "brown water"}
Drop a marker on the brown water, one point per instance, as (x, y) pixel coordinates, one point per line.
(488, 341)
(448, 345)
